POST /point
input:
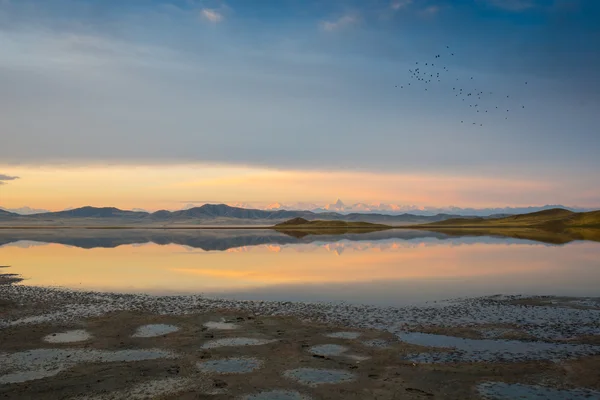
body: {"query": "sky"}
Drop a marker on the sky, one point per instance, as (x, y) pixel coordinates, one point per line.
(155, 104)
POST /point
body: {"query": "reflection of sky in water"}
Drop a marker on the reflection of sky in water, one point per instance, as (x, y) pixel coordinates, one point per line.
(384, 268)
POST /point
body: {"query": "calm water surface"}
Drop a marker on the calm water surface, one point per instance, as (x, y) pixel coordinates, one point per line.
(383, 268)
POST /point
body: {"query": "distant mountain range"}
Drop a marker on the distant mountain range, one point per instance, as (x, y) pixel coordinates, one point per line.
(208, 214)
(24, 210)
(393, 209)
(362, 208)
(222, 214)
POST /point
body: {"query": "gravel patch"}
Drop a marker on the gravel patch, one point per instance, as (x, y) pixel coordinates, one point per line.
(494, 333)
(41, 363)
(315, 377)
(146, 390)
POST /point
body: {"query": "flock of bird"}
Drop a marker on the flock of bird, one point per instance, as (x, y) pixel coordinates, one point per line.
(479, 101)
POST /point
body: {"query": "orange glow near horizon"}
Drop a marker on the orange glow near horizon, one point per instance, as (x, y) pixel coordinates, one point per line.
(155, 187)
(171, 267)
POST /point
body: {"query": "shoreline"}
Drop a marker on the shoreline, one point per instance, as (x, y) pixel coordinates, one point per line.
(136, 227)
(454, 349)
(465, 311)
(217, 227)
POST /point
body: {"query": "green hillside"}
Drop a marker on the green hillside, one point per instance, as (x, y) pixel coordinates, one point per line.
(551, 226)
(555, 220)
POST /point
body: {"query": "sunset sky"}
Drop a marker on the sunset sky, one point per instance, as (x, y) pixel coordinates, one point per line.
(158, 104)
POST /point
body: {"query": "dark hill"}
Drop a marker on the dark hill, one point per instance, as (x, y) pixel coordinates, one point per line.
(293, 221)
(301, 223)
(8, 214)
(91, 212)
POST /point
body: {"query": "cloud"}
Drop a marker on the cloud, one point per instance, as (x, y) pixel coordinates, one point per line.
(82, 88)
(212, 15)
(512, 5)
(340, 23)
(431, 10)
(4, 178)
(399, 4)
(394, 7)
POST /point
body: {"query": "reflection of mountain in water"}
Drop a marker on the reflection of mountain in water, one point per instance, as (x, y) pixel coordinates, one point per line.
(219, 239)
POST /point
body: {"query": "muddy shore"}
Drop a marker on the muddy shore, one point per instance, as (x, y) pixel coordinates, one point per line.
(58, 344)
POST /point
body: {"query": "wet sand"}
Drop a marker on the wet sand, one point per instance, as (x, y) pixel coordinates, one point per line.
(72, 345)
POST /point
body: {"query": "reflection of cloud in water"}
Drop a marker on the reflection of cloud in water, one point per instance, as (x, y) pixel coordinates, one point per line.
(143, 244)
(273, 248)
(241, 249)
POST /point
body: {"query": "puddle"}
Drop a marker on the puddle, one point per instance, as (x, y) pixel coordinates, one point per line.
(41, 363)
(379, 343)
(239, 365)
(78, 335)
(492, 350)
(314, 377)
(227, 342)
(328, 350)
(222, 326)
(24, 376)
(277, 395)
(154, 330)
(146, 390)
(506, 391)
(358, 357)
(344, 335)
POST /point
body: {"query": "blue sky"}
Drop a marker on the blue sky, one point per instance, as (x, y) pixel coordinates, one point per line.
(305, 85)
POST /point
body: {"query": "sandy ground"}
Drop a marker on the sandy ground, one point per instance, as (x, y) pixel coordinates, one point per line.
(69, 345)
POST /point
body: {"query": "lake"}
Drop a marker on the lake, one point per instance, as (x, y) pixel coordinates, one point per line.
(395, 267)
